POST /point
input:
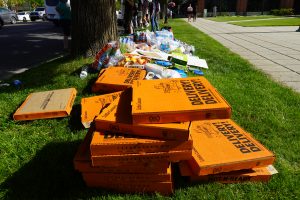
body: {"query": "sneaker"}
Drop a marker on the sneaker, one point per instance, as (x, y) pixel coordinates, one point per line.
(298, 30)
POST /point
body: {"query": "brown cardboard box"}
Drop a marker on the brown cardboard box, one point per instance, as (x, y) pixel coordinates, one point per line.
(91, 106)
(177, 100)
(222, 146)
(133, 178)
(106, 143)
(115, 79)
(164, 188)
(117, 118)
(262, 174)
(133, 159)
(83, 163)
(48, 104)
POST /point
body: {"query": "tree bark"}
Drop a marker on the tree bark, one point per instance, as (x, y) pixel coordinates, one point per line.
(94, 24)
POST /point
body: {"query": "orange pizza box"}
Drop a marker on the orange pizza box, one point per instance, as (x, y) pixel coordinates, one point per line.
(117, 118)
(262, 174)
(83, 163)
(124, 177)
(222, 146)
(115, 79)
(177, 100)
(185, 169)
(48, 104)
(107, 143)
(164, 188)
(133, 159)
(92, 106)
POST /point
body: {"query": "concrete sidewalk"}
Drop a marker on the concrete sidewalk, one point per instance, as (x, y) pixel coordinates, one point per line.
(274, 50)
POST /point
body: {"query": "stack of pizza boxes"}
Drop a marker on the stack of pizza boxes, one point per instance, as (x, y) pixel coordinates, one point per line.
(136, 135)
(119, 155)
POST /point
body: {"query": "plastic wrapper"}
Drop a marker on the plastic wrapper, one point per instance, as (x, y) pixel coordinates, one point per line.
(127, 44)
(162, 71)
(103, 56)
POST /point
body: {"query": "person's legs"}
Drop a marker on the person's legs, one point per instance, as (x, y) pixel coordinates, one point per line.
(152, 23)
(134, 21)
(156, 22)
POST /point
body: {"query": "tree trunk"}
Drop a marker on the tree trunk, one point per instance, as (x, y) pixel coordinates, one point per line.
(94, 24)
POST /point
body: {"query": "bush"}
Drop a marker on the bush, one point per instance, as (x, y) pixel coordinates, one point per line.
(282, 11)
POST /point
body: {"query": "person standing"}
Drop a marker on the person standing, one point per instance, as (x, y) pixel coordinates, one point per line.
(189, 12)
(154, 8)
(145, 7)
(194, 13)
(64, 11)
(135, 15)
(128, 14)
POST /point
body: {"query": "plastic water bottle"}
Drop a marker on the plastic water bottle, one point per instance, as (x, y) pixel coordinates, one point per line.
(84, 72)
(17, 84)
(164, 46)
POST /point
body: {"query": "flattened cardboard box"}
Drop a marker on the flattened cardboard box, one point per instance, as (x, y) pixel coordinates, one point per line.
(262, 174)
(177, 100)
(115, 79)
(129, 178)
(222, 146)
(91, 106)
(132, 159)
(117, 118)
(82, 162)
(106, 143)
(164, 188)
(48, 104)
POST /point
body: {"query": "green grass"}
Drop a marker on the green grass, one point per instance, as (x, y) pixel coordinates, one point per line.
(240, 18)
(36, 156)
(271, 22)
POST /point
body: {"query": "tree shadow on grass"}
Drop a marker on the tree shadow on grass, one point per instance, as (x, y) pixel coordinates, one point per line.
(50, 175)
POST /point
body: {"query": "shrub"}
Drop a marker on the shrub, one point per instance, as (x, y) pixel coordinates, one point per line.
(282, 11)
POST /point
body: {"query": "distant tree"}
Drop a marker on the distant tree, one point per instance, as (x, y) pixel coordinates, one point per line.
(14, 4)
(94, 24)
(36, 3)
(4, 3)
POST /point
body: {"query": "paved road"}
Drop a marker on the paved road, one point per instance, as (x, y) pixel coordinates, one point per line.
(274, 50)
(24, 45)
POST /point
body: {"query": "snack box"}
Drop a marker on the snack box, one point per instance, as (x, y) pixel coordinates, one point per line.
(262, 174)
(107, 143)
(48, 104)
(82, 162)
(177, 100)
(222, 146)
(134, 159)
(92, 106)
(129, 178)
(117, 118)
(115, 79)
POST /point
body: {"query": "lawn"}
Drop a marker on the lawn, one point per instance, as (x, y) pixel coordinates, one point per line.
(270, 22)
(36, 156)
(241, 18)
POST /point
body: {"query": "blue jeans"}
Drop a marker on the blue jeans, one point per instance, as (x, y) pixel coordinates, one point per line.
(154, 23)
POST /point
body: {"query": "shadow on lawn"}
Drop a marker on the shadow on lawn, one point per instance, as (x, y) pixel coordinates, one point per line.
(38, 76)
(50, 175)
